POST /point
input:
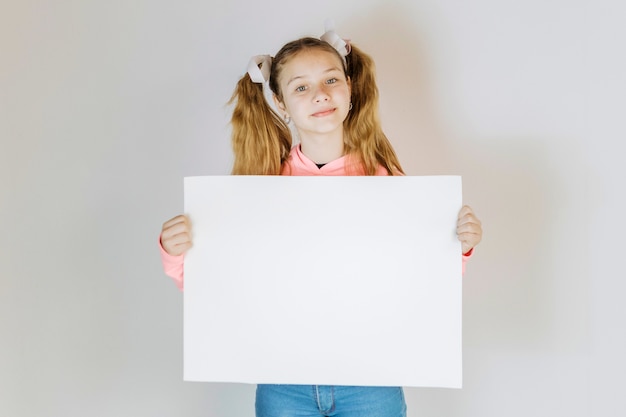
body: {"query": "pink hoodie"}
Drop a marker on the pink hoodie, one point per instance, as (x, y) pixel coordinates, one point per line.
(296, 164)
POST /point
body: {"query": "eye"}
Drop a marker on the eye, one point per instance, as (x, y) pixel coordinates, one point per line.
(300, 88)
(331, 81)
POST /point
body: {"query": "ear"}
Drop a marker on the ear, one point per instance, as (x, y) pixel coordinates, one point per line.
(279, 104)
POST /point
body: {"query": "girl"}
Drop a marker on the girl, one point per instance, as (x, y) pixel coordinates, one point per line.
(326, 89)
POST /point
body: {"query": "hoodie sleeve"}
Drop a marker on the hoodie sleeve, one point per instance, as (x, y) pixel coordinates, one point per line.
(465, 257)
(173, 266)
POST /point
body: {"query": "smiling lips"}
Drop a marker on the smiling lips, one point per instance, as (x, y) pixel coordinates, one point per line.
(323, 113)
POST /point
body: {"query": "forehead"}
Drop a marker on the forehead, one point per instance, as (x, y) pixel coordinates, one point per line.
(309, 61)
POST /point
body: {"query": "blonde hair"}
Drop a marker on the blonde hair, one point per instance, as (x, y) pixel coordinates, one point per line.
(262, 141)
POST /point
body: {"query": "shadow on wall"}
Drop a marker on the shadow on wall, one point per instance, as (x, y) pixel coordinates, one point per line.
(524, 292)
(399, 47)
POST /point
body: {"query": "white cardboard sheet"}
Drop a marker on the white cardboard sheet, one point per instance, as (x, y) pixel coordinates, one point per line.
(323, 280)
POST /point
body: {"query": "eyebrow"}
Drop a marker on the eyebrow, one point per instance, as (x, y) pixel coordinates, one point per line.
(297, 77)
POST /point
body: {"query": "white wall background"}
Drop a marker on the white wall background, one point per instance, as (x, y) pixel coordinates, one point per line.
(106, 105)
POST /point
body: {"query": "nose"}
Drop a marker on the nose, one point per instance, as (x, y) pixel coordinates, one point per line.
(321, 94)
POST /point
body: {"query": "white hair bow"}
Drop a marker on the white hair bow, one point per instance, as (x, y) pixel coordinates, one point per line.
(330, 36)
(259, 69)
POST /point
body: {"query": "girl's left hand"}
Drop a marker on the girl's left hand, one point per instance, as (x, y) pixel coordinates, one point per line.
(468, 229)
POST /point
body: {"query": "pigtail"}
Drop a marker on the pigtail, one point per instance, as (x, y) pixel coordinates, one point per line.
(261, 141)
(363, 135)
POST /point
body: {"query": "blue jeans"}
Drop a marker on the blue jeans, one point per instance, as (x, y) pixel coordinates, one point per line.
(331, 401)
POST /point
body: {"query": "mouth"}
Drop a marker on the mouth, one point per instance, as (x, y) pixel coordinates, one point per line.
(324, 113)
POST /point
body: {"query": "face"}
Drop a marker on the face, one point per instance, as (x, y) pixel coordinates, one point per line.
(316, 93)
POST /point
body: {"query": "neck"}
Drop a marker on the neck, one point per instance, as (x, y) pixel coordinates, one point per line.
(322, 149)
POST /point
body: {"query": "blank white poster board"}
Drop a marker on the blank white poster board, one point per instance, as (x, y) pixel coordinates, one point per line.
(323, 280)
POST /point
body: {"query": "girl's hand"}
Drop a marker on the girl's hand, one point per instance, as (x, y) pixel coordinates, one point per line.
(468, 229)
(176, 235)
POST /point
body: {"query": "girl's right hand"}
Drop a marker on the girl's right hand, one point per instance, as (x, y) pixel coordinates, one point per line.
(176, 235)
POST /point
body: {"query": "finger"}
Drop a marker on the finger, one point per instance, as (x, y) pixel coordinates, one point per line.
(469, 227)
(465, 210)
(469, 237)
(469, 240)
(176, 245)
(467, 232)
(175, 229)
(468, 219)
(178, 249)
(177, 239)
(181, 218)
(183, 247)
